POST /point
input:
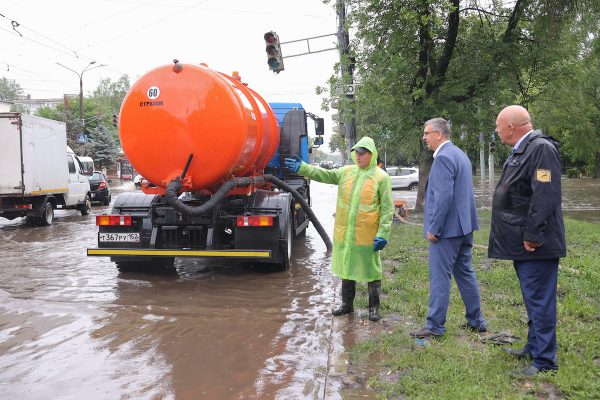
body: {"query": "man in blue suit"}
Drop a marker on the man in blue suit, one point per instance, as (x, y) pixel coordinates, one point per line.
(450, 219)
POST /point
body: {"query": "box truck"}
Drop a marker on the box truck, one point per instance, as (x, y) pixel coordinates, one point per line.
(38, 171)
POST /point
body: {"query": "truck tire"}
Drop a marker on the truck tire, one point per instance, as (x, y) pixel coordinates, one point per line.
(286, 244)
(86, 206)
(47, 215)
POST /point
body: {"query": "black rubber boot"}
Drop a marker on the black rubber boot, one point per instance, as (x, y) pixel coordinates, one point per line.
(348, 293)
(374, 289)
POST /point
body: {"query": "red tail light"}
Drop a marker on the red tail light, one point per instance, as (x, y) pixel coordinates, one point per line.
(255, 220)
(113, 220)
(24, 206)
(102, 185)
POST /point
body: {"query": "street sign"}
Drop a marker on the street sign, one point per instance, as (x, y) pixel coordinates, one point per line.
(81, 138)
(350, 88)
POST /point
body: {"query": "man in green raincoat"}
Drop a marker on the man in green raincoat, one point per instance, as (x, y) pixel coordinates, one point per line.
(363, 220)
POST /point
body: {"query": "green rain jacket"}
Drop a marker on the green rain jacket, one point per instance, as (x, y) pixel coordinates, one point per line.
(364, 210)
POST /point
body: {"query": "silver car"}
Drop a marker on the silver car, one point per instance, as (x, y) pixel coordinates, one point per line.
(404, 178)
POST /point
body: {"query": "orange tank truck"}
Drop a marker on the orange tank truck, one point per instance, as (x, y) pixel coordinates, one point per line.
(177, 110)
(212, 150)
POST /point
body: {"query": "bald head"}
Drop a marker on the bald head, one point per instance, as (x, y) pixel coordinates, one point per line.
(512, 123)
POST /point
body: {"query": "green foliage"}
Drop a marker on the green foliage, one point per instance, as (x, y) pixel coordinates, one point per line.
(573, 173)
(460, 365)
(97, 119)
(104, 147)
(464, 61)
(338, 143)
(9, 89)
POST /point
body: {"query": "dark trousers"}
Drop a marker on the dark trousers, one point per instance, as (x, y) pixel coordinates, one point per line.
(538, 279)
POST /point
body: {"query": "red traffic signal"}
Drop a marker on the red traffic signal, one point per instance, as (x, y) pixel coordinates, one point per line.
(273, 49)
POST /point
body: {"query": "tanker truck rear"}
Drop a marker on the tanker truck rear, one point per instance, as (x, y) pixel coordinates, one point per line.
(210, 148)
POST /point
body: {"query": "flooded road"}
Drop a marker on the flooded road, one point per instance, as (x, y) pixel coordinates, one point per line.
(581, 197)
(72, 326)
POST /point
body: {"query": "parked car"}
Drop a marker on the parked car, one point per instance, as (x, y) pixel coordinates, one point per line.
(137, 181)
(99, 188)
(326, 164)
(404, 177)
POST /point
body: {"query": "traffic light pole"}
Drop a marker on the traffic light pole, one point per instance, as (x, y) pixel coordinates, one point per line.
(347, 72)
(275, 62)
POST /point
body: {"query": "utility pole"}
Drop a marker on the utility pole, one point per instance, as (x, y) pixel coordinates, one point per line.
(491, 158)
(481, 156)
(80, 75)
(347, 73)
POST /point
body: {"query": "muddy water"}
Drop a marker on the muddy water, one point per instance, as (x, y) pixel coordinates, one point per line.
(71, 326)
(581, 197)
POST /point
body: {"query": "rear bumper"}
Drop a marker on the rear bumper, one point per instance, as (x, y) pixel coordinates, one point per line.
(252, 254)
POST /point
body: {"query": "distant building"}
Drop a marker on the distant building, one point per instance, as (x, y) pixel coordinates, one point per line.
(5, 106)
(32, 105)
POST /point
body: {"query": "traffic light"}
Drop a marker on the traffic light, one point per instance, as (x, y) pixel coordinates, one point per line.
(492, 147)
(273, 49)
(338, 126)
(114, 119)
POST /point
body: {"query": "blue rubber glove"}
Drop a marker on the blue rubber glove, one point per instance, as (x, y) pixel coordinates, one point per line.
(379, 243)
(292, 164)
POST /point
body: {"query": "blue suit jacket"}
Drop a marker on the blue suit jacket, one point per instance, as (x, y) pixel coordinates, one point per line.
(450, 209)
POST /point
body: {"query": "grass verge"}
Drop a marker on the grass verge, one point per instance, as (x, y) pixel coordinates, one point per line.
(463, 366)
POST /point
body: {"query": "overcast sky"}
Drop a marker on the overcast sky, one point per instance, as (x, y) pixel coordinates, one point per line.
(134, 36)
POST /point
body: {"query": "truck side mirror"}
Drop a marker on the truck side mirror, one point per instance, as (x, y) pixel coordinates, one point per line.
(318, 141)
(319, 126)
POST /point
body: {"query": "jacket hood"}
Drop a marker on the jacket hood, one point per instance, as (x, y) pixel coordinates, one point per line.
(368, 144)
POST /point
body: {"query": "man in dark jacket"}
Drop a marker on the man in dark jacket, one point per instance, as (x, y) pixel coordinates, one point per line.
(527, 227)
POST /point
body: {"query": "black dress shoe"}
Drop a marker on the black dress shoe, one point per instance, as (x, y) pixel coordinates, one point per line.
(481, 329)
(529, 372)
(424, 333)
(518, 353)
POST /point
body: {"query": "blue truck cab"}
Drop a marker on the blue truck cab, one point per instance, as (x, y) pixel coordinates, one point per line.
(293, 135)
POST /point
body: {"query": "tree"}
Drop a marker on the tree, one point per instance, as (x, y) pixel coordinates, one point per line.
(418, 59)
(97, 111)
(338, 143)
(104, 147)
(9, 89)
(109, 96)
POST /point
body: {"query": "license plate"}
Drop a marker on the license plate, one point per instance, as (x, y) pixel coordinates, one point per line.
(129, 237)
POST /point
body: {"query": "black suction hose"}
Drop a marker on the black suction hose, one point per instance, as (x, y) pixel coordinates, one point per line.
(174, 187)
(311, 215)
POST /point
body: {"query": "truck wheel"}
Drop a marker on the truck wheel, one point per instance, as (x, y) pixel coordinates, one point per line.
(86, 206)
(47, 215)
(286, 247)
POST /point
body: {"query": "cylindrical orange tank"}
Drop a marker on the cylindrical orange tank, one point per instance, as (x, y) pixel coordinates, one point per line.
(177, 110)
